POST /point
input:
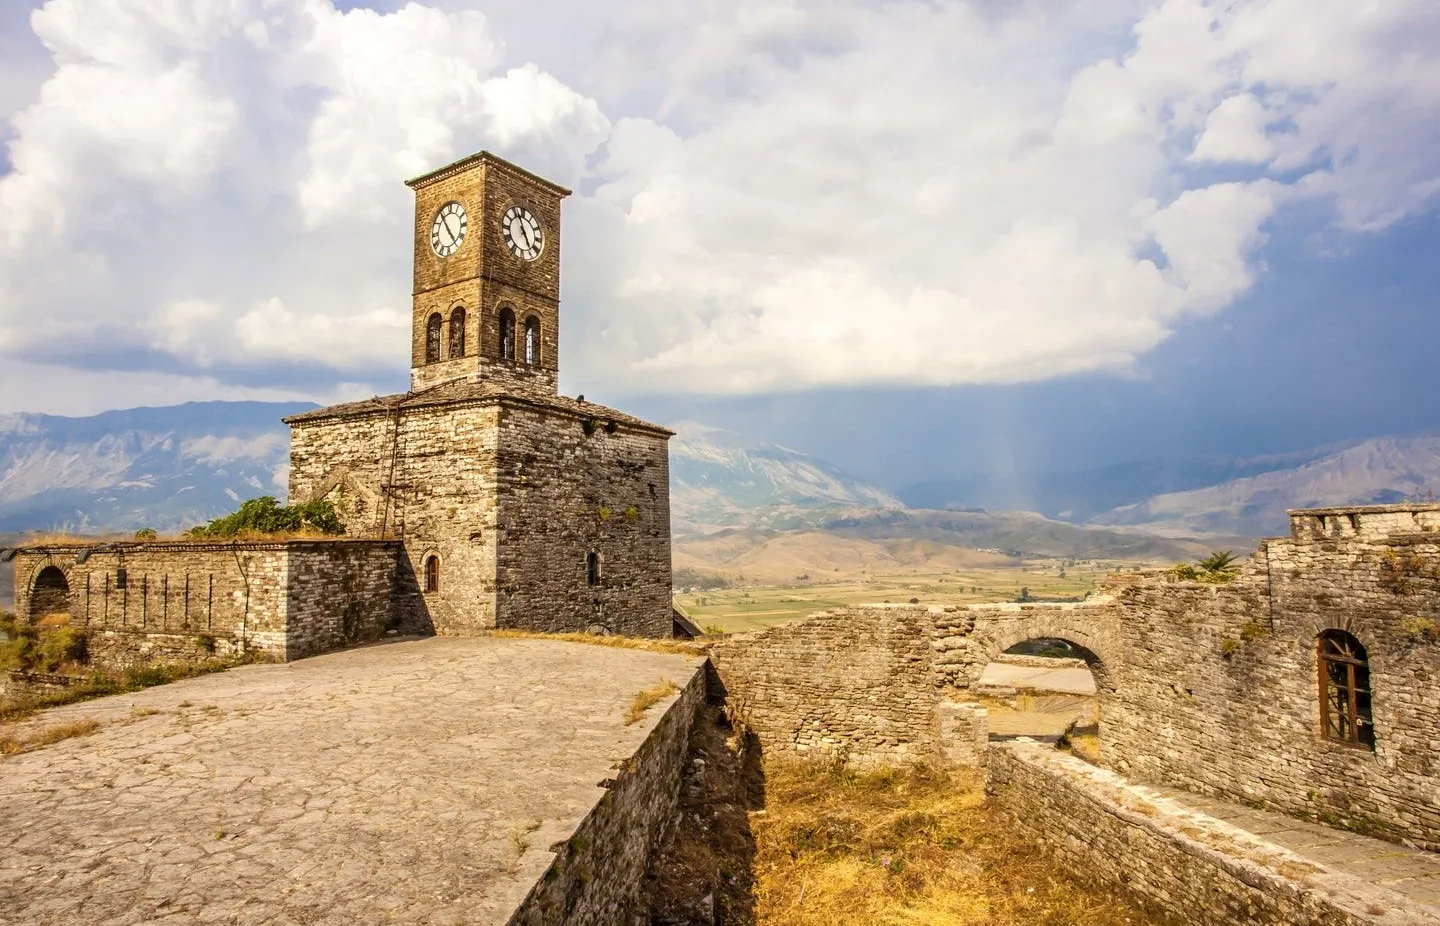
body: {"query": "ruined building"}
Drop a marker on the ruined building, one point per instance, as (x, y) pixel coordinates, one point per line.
(479, 499)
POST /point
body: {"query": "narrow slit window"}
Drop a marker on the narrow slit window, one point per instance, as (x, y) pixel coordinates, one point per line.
(457, 333)
(507, 334)
(532, 341)
(432, 573)
(432, 338)
(1345, 696)
(592, 568)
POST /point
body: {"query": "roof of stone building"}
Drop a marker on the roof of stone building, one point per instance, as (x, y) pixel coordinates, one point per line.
(483, 392)
(449, 170)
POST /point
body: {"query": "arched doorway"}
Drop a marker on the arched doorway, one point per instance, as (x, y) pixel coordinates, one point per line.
(1046, 688)
(50, 594)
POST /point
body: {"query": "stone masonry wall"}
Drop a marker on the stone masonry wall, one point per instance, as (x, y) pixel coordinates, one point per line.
(191, 601)
(597, 874)
(851, 682)
(563, 493)
(1197, 869)
(1221, 691)
(177, 600)
(430, 476)
(342, 593)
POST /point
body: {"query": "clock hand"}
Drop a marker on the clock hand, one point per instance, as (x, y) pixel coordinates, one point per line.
(446, 222)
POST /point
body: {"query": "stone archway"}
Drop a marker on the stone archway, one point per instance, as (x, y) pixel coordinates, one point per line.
(1050, 702)
(49, 593)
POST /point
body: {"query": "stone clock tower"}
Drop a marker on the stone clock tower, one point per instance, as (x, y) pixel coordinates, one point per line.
(503, 503)
(487, 276)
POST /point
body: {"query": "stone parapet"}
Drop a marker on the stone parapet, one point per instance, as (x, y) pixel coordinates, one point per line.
(1196, 868)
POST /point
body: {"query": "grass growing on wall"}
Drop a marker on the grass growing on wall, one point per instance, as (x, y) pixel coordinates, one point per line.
(646, 699)
(912, 846)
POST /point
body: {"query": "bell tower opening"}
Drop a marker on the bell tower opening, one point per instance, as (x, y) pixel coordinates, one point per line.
(487, 268)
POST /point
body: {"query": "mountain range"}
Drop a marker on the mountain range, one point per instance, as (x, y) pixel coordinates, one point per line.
(736, 502)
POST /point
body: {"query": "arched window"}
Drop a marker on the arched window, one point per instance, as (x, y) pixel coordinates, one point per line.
(507, 334)
(432, 573)
(457, 333)
(432, 339)
(592, 568)
(1345, 690)
(532, 341)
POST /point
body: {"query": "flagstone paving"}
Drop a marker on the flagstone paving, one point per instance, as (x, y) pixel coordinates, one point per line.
(421, 781)
(1412, 873)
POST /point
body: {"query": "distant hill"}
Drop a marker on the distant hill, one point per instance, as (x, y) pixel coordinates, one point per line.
(891, 541)
(1082, 495)
(167, 468)
(722, 479)
(1383, 470)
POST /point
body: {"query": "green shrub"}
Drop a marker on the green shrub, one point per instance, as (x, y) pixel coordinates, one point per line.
(264, 515)
(59, 647)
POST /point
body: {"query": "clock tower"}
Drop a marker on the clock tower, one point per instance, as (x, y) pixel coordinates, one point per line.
(487, 276)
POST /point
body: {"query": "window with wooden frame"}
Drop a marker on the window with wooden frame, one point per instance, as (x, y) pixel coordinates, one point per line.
(1345, 700)
(432, 573)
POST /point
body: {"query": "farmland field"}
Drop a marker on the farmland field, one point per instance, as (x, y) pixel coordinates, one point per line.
(737, 608)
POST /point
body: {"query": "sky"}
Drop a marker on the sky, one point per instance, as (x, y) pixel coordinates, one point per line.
(918, 238)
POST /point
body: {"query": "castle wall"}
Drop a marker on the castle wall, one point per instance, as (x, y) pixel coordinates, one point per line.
(855, 683)
(436, 467)
(1197, 869)
(1221, 690)
(1210, 687)
(446, 506)
(564, 493)
(192, 601)
(597, 875)
(341, 593)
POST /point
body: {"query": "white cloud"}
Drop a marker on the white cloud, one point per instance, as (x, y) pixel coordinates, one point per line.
(772, 196)
(1235, 131)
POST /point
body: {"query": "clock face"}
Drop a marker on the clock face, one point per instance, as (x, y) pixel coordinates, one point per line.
(523, 234)
(447, 232)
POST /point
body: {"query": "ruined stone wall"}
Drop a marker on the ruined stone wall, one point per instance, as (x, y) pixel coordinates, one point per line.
(597, 874)
(967, 639)
(566, 490)
(193, 601)
(854, 682)
(1221, 687)
(1197, 869)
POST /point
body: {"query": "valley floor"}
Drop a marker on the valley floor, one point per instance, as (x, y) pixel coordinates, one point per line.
(738, 608)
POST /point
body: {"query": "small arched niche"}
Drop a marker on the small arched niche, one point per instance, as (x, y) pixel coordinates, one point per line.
(50, 594)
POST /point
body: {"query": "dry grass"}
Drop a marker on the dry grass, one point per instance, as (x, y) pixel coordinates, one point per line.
(593, 639)
(915, 846)
(13, 745)
(646, 699)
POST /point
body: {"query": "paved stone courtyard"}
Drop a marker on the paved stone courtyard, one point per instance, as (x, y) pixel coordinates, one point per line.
(420, 781)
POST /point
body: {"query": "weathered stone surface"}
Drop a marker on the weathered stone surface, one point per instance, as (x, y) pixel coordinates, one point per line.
(435, 781)
(1209, 687)
(1196, 867)
(186, 602)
